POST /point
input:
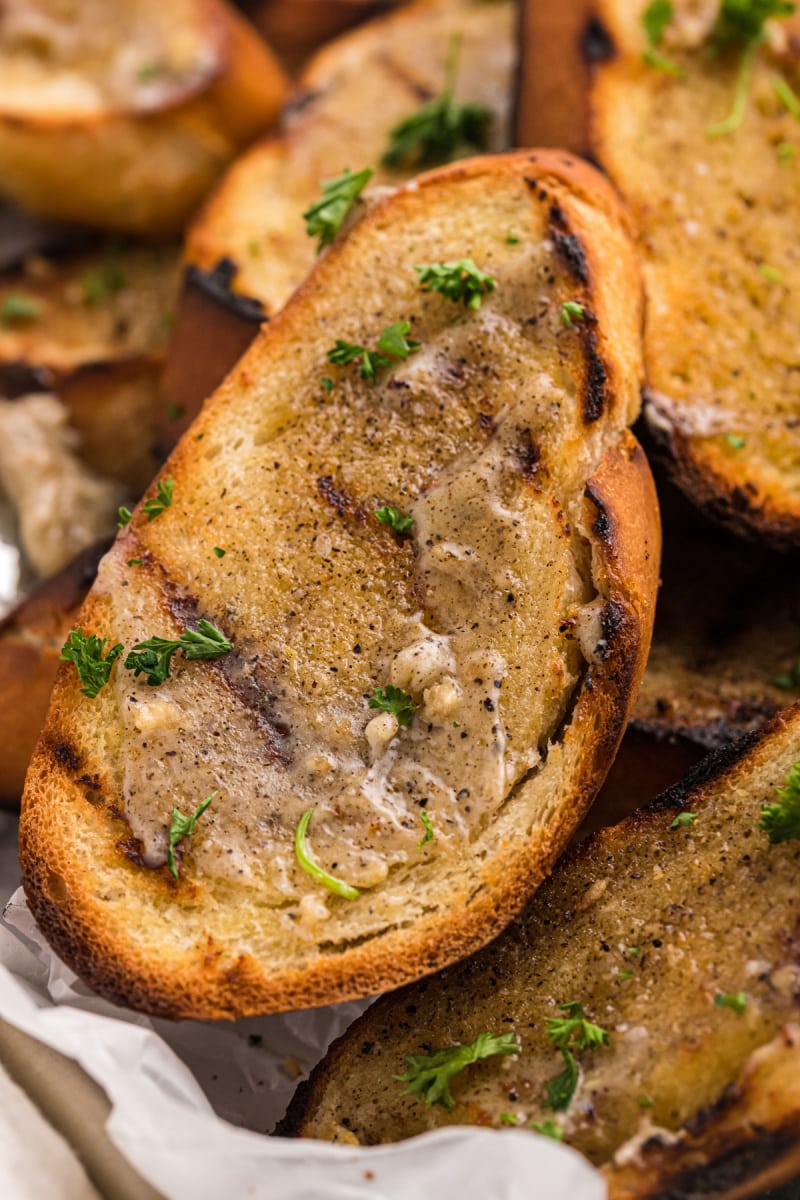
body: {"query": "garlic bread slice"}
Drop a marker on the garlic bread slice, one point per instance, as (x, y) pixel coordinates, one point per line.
(122, 116)
(425, 546)
(675, 935)
(693, 114)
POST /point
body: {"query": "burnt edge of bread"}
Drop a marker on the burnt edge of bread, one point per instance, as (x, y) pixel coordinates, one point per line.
(217, 284)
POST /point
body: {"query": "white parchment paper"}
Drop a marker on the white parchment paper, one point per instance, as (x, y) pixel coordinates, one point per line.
(189, 1099)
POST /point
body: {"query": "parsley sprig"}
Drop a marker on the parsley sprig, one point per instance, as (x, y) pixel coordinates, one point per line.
(88, 654)
(737, 1001)
(684, 820)
(325, 217)
(392, 344)
(655, 19)
(781, 821)
(740, 24)
(561, 1087)
(183, 827)
(549, 1129)
(399, 521)
(155, 505)
(791, 679)
(429, 1075)
(303, 853)
(392, 699)
(574, 1029)
(572, 312)
(153, 657)
(459, 280)
(429, 834)
(18, 310)
(443, 129)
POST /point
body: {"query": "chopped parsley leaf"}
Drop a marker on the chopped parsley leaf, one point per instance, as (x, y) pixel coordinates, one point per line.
(220, 553)
(549, 1129)
(787, 96)
(325, 217)
(736, 441)
(574, 1029)
(791, 679)
(645, 1102)
(19, 310)
(124, 515)
(684, 820)
(303, 853)
(394, 700)
(153, 657)
(786, 152)
(655, 19)
(508, 1119)
(738, 1001)
(781, 821)
(561, 1087)
(441, 130)
(398, 521)
(634, 950)
(183, 827)
(327, 383)
(429, 1075)
(625, 974)
(571, 312)
(86, 653)
(429, 832)
(459, 280)
(162, 500)
(100, 285)
(393, 341)
(740, 23)
(771, 273)
(134, 562)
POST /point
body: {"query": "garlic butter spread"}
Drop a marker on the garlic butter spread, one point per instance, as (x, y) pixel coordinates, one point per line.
(485, 612)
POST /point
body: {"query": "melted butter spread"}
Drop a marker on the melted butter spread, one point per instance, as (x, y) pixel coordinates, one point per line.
(475, 613)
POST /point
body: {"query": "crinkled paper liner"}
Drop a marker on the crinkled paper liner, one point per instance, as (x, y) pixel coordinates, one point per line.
(192, 1101)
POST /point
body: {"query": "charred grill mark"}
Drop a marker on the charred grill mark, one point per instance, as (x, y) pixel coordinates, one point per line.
(569, 249)
(527, 455)
(730, 1168)
(594, 394)
(612, 620)
(218, 285)
(602, 523)
(418, 90)
(133, 849)
(299, 101)
(67, 756)
(243, 681)
(597, 44)
(335, 495)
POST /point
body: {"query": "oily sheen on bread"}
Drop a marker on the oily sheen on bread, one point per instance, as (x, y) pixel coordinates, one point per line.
(123, 115)
(514, 616)
(678, 940)
(248, 249)
(717, 218)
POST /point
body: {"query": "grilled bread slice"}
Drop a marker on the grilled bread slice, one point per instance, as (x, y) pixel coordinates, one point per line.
(295, 28)
(718, 236)
(31, 637)
(680, 942)
(512, 618)
(123, 116)
(92, 328)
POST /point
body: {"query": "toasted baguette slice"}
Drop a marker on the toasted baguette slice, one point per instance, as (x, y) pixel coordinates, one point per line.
(718, 235)
(516, 614)
(31, 637)
(92, 327)
(252, 233)
(122, 116)
(644, 926)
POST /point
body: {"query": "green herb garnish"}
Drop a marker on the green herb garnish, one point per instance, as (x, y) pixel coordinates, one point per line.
(508, 1119)
(684, 820)
(561, 1088)
(645, 1102)
(124, 514)
(325, 217)
(624, 974)
(86, 652)
(738, 1001)
(98, 286)
(443, 129)
(220, 553)
(571, 312)
(162, 499)
(787, 96)
(183, 827)
(771, 273)
(549, 1129)
(736, 441)
(791, 679)
(393, 700)
(429, 1075)
(786, 152)
(398, 521)
(393, 341)
(429, 833)
(458, 281)
(740, 23)
(19, 310)
(338, 886)
(134, 562)
(574, 1029)
(153, 657)
(781, 821)
(655, 19)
